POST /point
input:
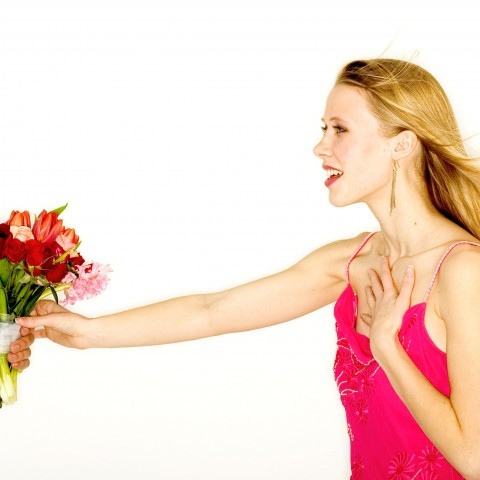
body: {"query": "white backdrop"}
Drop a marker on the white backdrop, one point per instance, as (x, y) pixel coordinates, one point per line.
(181, 134)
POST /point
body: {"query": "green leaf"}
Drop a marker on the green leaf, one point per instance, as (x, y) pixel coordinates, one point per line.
(25, 279)
(22, 298)
(3, 301)
(32, 301)
(4, 270)
(19, 274)
(59, 210)
(54, 293)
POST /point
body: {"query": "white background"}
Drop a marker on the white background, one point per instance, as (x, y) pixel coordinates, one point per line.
(181, 135)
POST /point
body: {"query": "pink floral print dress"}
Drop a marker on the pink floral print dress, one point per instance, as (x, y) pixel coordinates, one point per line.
(386, 442)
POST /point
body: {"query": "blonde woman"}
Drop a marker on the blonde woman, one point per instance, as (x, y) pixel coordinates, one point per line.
(407, 308)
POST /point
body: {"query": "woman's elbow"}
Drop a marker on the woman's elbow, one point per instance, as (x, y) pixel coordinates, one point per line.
(472, 467)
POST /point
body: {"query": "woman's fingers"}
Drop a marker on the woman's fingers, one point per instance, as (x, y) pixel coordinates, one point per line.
(366, 318)
(376, 284)
(40, 333)
(22, 343)
(43, 320)
(20, 356)
(45, 307)
(386, 276)
(404, 297)
(21, 365)
(371, 301)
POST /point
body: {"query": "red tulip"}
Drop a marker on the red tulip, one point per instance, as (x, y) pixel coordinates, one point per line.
(19, 219)
(47, 227)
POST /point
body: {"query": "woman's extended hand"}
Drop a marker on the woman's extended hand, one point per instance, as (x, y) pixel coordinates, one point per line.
(386, 305)
(20, 349)
(59, 324)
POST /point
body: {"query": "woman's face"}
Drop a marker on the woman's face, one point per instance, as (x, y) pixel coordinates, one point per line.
(353, 144)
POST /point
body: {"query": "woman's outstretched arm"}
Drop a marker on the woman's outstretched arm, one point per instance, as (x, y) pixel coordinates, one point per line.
(313, 282)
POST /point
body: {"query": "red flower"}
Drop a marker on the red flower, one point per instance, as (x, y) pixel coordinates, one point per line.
(357, 467)
(19, 219)
(52, 252)
(5, 234)
(35, 252)
(361, 411)
(4, 230)
(76, 261)
(367, 384)
(47, 227)
(15, 250)
(57, 272)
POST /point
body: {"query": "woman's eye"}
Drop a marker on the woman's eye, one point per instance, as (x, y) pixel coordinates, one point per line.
(338, 129)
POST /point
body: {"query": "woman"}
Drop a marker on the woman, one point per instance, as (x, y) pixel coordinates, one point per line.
(408, 361)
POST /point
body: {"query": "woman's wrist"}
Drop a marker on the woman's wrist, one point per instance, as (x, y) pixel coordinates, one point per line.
(93, 336)
(386, 350)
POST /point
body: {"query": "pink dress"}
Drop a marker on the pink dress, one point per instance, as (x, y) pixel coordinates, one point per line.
(386, 442)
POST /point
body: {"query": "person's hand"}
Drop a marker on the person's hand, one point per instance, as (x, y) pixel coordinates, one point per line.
(20, 349)
(387, 306)
(55, 322)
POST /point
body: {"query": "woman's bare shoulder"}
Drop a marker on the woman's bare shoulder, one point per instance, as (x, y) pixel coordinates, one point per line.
(331, 257)
(458, 277)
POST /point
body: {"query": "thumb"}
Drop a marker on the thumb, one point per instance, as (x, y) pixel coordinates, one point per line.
(404, 297)
(34, 322)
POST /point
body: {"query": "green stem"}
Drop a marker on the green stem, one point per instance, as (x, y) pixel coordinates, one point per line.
(8, 390)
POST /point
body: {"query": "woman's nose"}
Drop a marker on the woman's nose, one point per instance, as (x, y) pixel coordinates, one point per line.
(322, 148)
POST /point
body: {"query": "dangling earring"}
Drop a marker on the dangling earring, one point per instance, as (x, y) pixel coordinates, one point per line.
(394, 177)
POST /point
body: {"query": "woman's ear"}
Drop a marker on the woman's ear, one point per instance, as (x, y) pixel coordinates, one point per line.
(405, 144)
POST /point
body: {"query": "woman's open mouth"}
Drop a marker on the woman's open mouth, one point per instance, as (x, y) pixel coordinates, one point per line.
(332, 175)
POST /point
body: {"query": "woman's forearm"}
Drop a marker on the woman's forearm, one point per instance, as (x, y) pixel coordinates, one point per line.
(432, 410)
(174, 320)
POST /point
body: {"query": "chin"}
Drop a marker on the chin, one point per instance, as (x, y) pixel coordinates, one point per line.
(340, 202)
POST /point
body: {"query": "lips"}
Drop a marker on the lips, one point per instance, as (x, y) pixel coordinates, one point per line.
(332, 174)
(330, 171)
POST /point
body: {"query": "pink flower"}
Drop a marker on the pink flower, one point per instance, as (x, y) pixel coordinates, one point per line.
(430, 458)
(92, 279)
(21, 233)
(427, 475)
(401, 467)
(67, 239)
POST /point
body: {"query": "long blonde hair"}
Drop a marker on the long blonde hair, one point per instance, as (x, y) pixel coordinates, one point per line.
(404, 96)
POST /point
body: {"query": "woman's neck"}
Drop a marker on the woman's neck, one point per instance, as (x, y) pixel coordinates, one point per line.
(414, 226)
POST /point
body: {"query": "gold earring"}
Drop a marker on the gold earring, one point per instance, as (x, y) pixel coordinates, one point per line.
(394, 177)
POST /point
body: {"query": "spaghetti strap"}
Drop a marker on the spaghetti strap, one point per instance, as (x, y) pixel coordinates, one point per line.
(449, 249)
(347, 265)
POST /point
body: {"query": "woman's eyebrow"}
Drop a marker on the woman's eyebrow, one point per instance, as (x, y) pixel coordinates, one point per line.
(335, 118)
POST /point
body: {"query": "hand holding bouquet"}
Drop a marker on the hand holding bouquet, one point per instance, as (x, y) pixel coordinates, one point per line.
(36, 262)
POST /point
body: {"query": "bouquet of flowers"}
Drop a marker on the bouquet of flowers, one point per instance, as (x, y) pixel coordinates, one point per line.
(36, 262)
